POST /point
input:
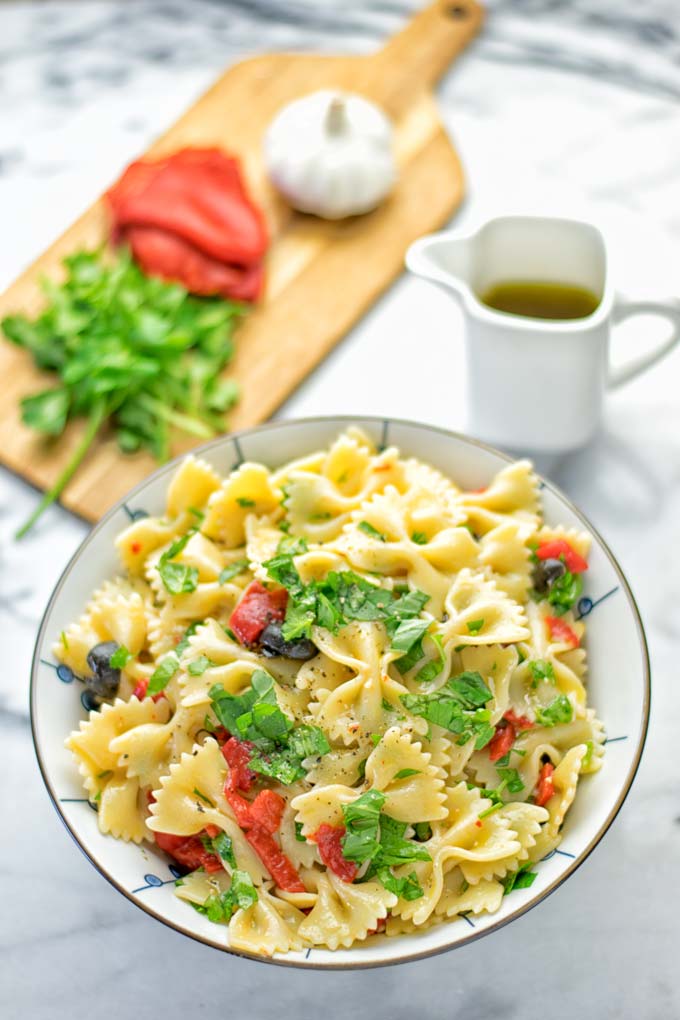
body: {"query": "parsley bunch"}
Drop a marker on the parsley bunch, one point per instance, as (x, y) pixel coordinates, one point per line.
(374, 837)
(342, 597)
(458, 706)
(281, 747)
(129, 350)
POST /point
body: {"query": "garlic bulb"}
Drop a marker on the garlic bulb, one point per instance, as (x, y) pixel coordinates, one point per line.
(330, 153)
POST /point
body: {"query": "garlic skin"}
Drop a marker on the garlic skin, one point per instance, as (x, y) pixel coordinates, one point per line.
(330, 153)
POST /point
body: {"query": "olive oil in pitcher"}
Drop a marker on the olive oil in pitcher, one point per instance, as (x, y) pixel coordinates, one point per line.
(540, 300)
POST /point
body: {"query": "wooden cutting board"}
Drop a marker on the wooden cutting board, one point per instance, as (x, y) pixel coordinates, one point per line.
(321, 276)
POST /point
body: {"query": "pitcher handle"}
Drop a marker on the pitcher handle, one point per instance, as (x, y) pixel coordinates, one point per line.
(622, 310)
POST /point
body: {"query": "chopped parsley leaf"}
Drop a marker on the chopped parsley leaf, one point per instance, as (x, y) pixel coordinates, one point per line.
(512, 779)
(222, 845)
(423, 831)
(163, 674)
(541, 670)
(177, 578)
(244, 501)
(199, 665)
(520, 879)
(233, 570)
(459, 707)
(64, 639)
(203, 797)
(419, 537)
(280, 747)
(298, 833)
(431, 670)
(565, 592)
(405, 773)
(369, 530)
(474, 626)
(120, 658)
(219, 907)
(560, 710)
(376, 738)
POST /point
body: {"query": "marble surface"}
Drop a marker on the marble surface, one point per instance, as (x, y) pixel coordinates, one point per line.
(560, 106)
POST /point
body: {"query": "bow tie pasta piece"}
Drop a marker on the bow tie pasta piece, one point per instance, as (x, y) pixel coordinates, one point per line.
(479, 614)
(191, 487)
(525, 822)
(191, 796)
(565, 781)
(136, 543)
(550, 667)
(345, 913)
(506, 556)
(212, 657)
(104, 775)
(116, 612)
(400, 769)
(356, 708)
(459, 897)
(318, 502)
(512, 495)
(271, 925)
(395, 925)
(247, 490)
(342, 766)
(496, 665)
(322, 806)
(448, 757)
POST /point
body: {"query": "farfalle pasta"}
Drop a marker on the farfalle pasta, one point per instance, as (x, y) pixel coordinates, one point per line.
(346, 697)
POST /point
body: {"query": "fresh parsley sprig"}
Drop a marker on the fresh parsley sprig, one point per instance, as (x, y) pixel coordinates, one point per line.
(130, 351)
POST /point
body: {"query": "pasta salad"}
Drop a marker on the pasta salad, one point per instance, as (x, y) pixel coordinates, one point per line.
(345, 697)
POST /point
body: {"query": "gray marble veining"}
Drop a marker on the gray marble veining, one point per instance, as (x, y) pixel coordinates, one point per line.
(561, 106)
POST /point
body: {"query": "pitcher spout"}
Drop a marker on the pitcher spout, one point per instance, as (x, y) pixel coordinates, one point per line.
(444, 259)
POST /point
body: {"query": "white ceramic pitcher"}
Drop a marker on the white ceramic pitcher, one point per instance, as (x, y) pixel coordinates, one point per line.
(536, 384)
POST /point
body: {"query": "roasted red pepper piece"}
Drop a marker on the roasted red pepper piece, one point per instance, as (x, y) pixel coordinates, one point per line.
(196, 194)
(502, 740)
(561, 631)
(520, 722)
(545, 788)
(257, 608)
(274, 859)
(160, 253)
(240, 806)
(328, 839)
(141, 689)
(189, 851)
(188, 217)
(267, 810)
(237, 756)
(558, 548)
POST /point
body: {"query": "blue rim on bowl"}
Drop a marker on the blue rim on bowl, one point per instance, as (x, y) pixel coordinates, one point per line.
(382, 425)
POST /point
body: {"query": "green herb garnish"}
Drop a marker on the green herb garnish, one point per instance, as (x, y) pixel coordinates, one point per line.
(541, 670)
(405, 773)
(565, 592)
(431, 670)
(280, 747)
(459, 707)
(369, 530)
(220, 906)
(199, 665)
(419, 537)
(244, 501)
(520, 879)
(474, 626)
(233, 570)
(128, 350)
(163, 674)
(120, 658)
(558, 711)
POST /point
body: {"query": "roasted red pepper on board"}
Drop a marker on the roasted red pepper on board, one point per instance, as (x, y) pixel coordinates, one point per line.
(257, 608)
(188, 217)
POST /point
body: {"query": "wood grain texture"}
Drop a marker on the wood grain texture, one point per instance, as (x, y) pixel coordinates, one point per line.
(321, 276)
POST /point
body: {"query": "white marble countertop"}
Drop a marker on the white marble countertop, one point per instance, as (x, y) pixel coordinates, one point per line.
(562, 106)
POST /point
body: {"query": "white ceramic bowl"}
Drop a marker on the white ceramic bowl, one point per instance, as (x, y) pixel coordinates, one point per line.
(619, 688)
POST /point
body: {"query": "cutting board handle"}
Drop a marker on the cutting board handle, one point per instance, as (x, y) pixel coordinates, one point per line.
(432, 39)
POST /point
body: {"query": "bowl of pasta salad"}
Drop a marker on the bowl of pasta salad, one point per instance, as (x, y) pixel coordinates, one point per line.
(340, 692)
